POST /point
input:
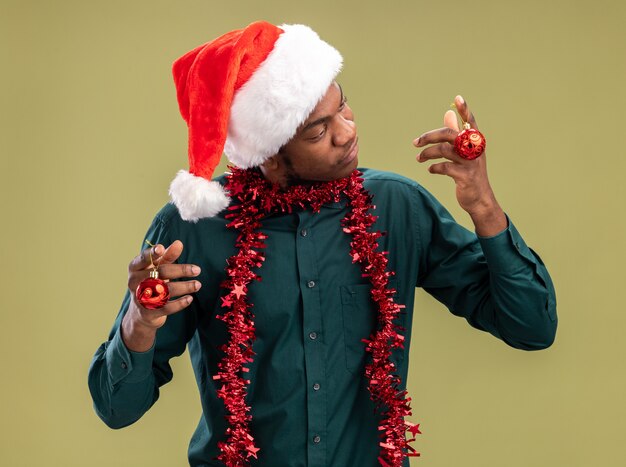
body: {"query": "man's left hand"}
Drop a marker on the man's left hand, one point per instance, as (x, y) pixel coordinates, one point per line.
(473, 190)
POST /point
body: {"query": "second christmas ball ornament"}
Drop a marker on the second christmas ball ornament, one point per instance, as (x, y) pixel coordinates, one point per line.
(152, 292)
(469, 143)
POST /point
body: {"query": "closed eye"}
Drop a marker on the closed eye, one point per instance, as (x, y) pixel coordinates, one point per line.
(319, 135)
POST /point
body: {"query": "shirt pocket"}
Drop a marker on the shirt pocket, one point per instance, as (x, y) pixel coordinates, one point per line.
(360, 316)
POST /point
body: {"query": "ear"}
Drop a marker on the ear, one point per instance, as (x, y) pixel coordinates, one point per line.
(274, 169)
(271, 164)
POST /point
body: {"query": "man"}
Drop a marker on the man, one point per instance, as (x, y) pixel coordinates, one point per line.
(291, 368)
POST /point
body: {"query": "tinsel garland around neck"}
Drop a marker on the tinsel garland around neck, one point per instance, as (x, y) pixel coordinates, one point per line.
(254, 197)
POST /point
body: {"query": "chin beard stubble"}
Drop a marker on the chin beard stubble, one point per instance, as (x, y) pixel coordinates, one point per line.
(291, 176)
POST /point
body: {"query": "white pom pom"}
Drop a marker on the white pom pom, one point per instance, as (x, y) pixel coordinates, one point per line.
(196, 197)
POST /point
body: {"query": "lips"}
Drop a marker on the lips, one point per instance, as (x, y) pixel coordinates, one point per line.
(352, 152)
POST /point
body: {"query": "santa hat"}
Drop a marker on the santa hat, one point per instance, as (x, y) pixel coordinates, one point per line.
(245, 94)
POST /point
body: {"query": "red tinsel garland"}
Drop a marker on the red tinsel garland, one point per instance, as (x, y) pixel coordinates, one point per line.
(255, 198)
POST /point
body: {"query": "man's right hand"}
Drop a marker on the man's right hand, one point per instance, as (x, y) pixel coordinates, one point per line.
(140, 324)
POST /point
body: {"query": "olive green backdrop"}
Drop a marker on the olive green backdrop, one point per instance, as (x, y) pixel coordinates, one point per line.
(90, 137)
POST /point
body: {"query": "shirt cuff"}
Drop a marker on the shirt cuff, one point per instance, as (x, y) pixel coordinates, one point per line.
(506, 251)
(124, 364)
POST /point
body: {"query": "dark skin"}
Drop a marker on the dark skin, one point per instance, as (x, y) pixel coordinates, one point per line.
(325, 147)
(473, 191)
(139, 325)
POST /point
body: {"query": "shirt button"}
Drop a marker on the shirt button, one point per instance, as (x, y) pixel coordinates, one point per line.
(313, 335)
(316, 439)
(124, 365)
(310, 284)
(316, 387)
(304, 232)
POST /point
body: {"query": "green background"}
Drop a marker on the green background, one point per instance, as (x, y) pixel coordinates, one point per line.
(90, 137)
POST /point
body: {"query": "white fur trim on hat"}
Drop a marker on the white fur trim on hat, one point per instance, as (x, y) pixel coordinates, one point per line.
(196, 197)
(280, 95)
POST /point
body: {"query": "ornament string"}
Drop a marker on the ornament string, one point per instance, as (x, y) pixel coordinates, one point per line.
(255, 198)
(152, 265)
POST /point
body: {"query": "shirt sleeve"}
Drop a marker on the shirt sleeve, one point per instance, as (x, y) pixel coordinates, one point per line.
(125, 384)
(497, 283)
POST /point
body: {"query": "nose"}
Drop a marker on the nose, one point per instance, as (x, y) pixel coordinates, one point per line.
(345, 131)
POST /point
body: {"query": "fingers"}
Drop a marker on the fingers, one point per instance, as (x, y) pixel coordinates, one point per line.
(166, 272)
(156, 318)
(438, 151)
(440, 144)
(451, 127)
(445, 168)
(142, 260)
(441, 135)
(443, 138)
(451, 121)
(172, 253)
(163, 258)
(464, 111)
(180, 288)
(159, 255)
(177, 271)
(174, 306)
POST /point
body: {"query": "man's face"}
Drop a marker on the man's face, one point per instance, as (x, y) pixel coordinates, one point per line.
(325, 147)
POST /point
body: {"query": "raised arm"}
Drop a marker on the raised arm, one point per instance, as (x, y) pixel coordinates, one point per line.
(492, 278)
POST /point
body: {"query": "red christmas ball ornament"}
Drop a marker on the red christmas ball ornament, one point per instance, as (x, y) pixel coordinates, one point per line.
(152, 293)
(469, 143)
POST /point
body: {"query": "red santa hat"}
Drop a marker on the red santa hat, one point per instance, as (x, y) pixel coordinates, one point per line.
(245, 94)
